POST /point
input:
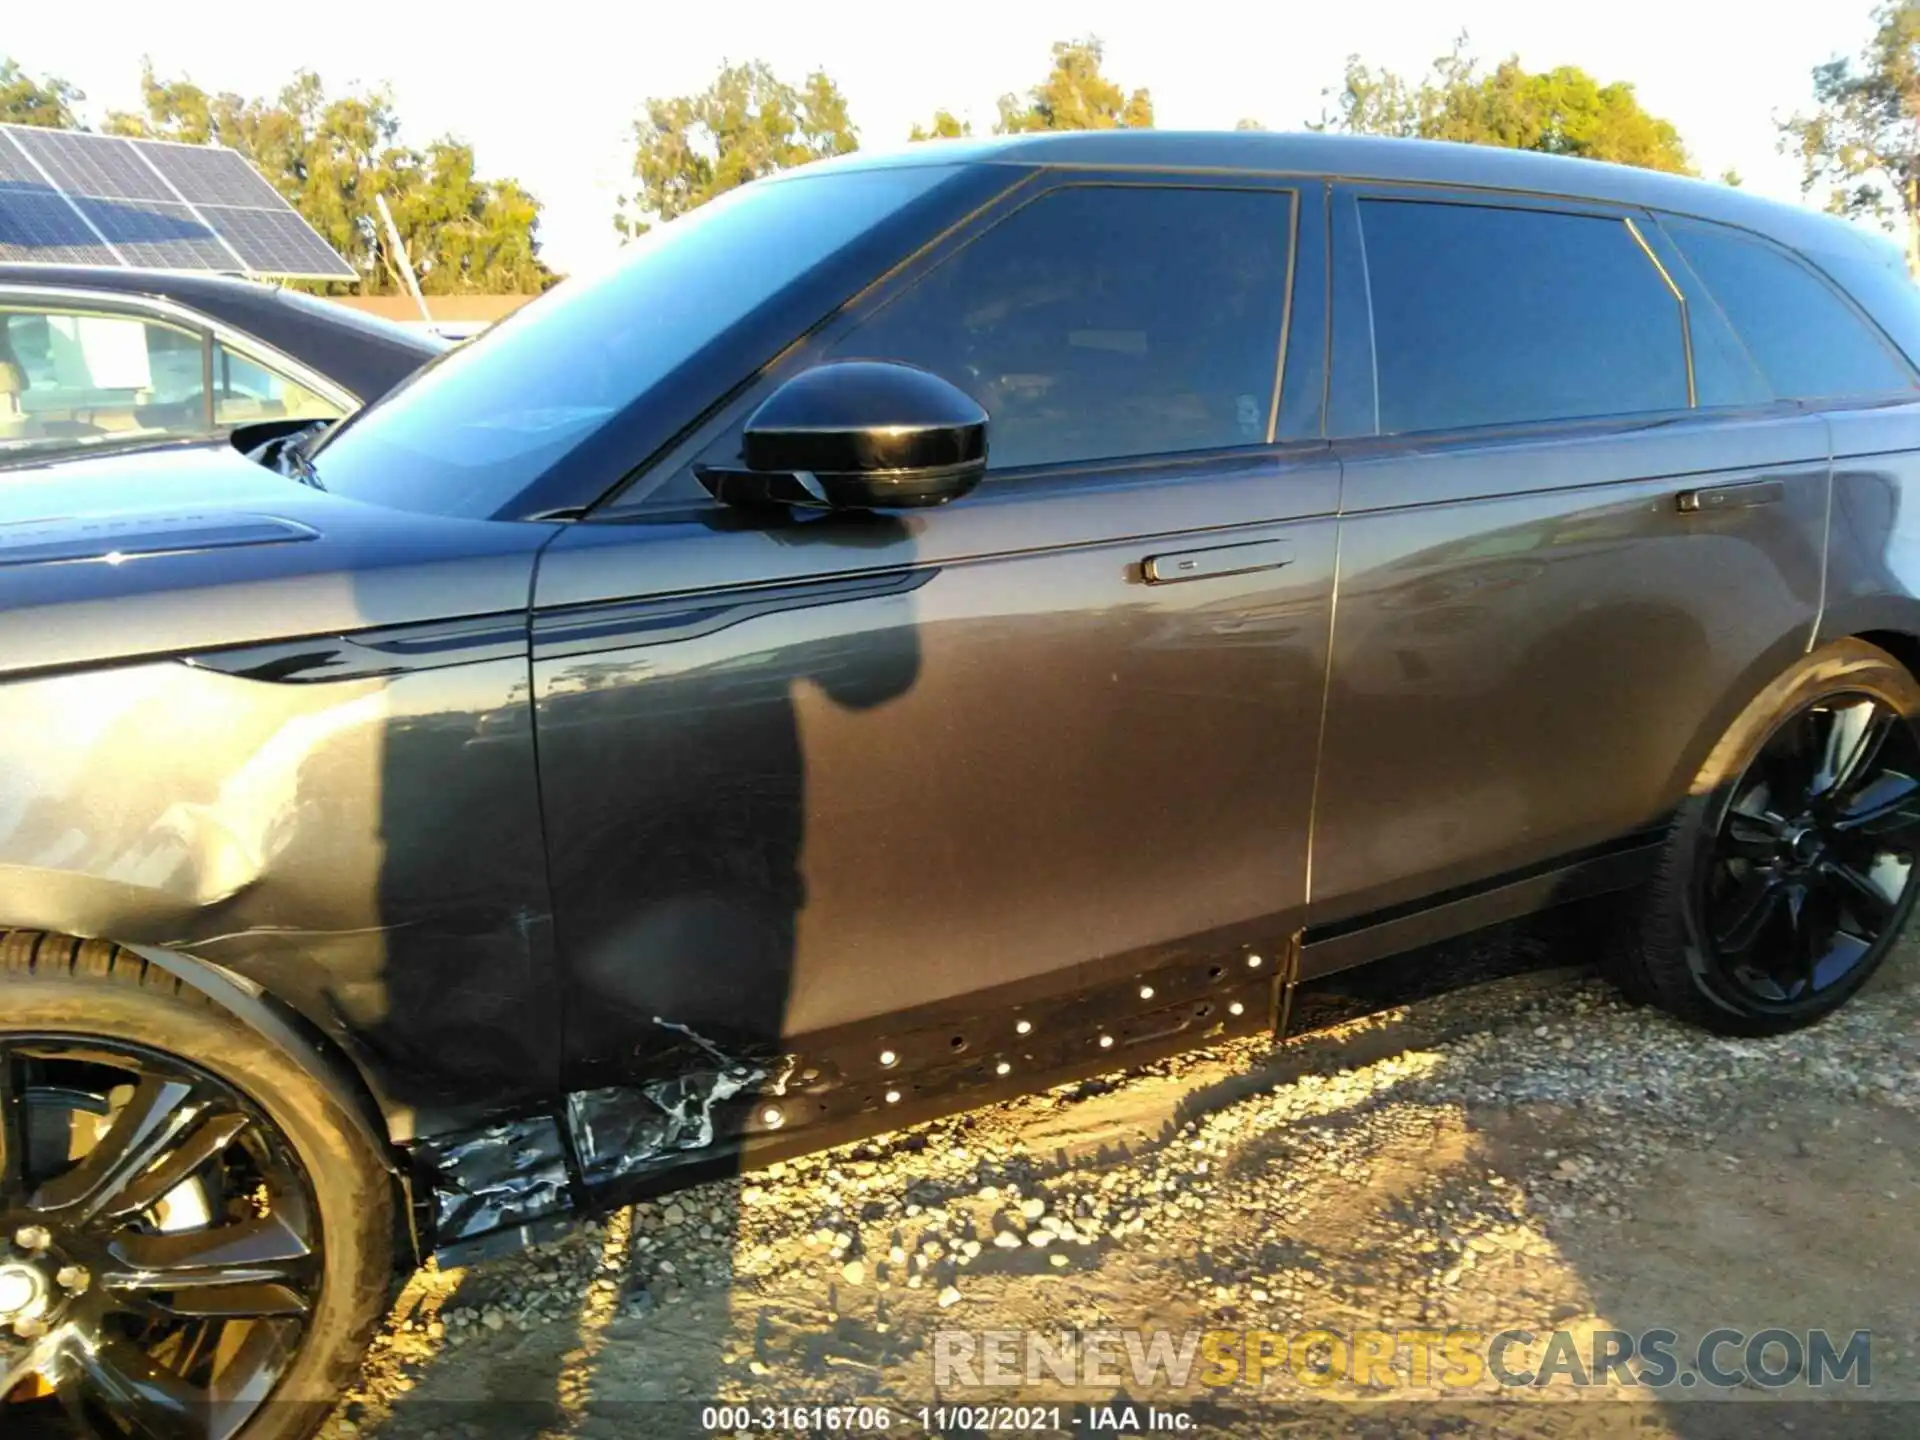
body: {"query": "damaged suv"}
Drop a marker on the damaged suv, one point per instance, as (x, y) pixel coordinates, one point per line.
(918, 629)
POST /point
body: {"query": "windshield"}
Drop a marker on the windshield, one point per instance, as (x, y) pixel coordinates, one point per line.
(478, 425)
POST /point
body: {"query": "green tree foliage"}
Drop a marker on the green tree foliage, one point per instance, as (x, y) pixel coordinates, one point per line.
(748, 123)
(944, 126)
(1863, 139)
(331, 155)
(1248, 123)
(1076, 95)
(1561, 112)
(26, 101)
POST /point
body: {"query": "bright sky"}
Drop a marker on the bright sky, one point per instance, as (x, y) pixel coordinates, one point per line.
(546, 92)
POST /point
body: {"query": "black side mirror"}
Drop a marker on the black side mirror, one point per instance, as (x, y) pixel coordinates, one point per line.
(858, 435)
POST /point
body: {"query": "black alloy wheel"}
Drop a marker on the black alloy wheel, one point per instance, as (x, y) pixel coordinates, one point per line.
(1811, 870)
(160, 1247)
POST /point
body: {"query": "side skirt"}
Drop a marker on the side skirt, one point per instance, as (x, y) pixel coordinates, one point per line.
(712, 1111)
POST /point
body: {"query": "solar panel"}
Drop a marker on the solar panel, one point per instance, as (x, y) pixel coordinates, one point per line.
(72, 198)
(265, 238)
(39, 225)
(157, 234)
(205, 175)
(103, 166)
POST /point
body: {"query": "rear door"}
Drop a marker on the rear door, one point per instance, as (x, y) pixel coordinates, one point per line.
(953, 799)
(1578, 526)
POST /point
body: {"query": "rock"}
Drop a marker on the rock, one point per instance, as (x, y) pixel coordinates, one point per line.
(949, 1297)
(853, 1272)
(1034, 1208)
(673, 1215)
(1007, 1240)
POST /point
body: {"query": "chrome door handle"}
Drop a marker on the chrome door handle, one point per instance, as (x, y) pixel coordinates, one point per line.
(1743, 496)
(1220, 560)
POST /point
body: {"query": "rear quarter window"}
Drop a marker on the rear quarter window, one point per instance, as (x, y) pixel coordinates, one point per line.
(1807, 340)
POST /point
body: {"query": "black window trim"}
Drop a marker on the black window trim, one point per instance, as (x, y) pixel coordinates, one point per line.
(1666, 220)
(1348, 194)
(667, 486)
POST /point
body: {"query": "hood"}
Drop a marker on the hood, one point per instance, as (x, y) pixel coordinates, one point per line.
(123, 557)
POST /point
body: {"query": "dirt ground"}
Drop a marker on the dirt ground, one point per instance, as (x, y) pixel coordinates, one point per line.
(1527, 1153)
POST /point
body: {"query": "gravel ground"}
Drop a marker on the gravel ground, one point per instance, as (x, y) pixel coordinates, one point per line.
(1525, 1153)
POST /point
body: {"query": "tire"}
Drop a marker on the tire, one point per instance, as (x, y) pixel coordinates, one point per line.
(59, 991)
(1704, 942)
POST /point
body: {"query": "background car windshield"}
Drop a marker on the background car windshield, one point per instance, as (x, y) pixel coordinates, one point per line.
(480, 424)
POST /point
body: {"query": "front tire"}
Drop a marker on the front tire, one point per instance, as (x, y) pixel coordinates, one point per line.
(1789, 869)
(195, 1238)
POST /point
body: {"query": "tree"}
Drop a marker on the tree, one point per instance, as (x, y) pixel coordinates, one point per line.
(26, 101)
(1248, 123)
(1564, 111)
(943, 126)
(331, 156)
(747, 124)
(1863, 140)
(1076, 96)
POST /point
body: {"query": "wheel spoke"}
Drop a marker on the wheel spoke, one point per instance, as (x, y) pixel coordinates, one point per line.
(1808, 941)
(1749, 836)
(195, 1145)
(263, 1251)
(1869, 902)
(13, 1128)
(1887, 805)
(155, 1114)
(249, 1301)
(117, 1382)
(1749, 909)
(1791, 763)
(1854, 735)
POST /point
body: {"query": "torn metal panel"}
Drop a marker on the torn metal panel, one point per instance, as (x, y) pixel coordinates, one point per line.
(498, 1178)
(619, 1131)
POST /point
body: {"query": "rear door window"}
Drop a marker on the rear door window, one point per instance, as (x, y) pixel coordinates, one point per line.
(1484, 315)
(1806, 339)
(1103, 321)
(79, 379)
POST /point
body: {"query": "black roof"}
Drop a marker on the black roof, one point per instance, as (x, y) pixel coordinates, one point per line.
(1367, 157)
(362, 353)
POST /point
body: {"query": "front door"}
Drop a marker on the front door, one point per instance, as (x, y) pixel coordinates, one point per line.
(855, 813)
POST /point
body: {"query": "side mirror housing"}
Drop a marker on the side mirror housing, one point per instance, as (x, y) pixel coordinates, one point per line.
(858, 435)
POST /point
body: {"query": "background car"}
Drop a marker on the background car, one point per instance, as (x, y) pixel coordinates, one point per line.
(104, 357)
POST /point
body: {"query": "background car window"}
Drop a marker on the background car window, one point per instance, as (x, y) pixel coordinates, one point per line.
(244, 391)
(1103, 321)
(1486, 316)
(1804, 337)
(73, 378)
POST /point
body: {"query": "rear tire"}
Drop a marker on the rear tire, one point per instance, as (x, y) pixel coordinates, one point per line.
(73, 1016)
(1787, 873)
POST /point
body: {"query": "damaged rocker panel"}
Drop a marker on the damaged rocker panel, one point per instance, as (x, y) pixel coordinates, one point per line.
(708, 1111)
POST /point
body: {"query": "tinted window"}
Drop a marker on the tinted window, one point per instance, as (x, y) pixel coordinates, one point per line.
(244, 391)
(71, 378)
(1881, 284)
(481, 423)
(1803, 336)
(1484, 316)
(1103, 321)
